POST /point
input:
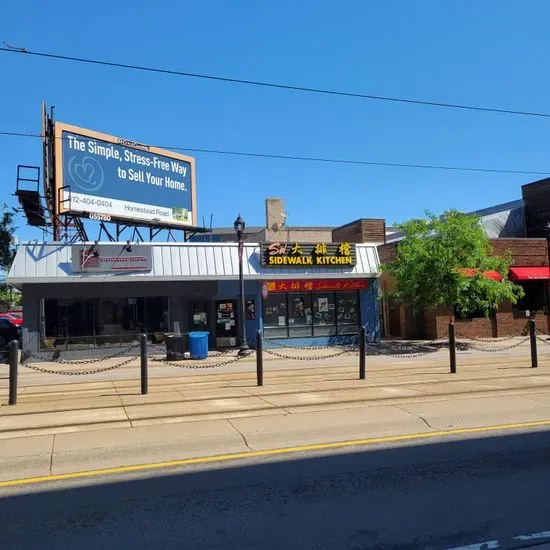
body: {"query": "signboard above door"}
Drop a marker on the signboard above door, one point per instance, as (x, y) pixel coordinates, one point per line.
(111, 258)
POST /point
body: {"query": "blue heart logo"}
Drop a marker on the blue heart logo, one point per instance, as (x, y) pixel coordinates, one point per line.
(86, 174)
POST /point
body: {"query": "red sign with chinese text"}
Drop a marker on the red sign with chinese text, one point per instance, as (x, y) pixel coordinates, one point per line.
(315, 285)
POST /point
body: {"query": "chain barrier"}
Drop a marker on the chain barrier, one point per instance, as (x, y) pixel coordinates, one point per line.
(501, 348)
(81, 373)
(489, 340)
(547, 341)
(235, 359)
(98, 359)
(433, 347)
(309, 357)
(351, 341)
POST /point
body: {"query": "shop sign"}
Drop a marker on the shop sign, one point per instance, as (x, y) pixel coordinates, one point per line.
(107, 258)
(317, 285)
(308, 255)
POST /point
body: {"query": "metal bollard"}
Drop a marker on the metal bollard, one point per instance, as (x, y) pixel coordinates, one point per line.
(259, 358)
(533, 340)
(452, 348)
(13, 351)
(362, 353)
(144, 370)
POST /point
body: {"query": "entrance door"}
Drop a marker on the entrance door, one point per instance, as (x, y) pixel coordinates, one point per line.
(226, 323)
(199, 312)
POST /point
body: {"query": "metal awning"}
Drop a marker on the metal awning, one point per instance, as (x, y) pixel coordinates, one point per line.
(46, 262)
(529, 273)
(495, 275)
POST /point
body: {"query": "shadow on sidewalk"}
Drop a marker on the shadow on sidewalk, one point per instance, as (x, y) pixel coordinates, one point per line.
(427, 495)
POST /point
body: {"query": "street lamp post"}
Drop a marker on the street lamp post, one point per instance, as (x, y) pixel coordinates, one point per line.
(239, 226)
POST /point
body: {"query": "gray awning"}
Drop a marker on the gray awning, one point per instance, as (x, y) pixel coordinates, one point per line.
(42, 262)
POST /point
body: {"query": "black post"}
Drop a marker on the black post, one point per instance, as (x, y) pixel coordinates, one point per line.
(260, 358)
(144, 373)
(533, 340)
(239, 226)
(452, 347)
(362, 353)
(13, 351)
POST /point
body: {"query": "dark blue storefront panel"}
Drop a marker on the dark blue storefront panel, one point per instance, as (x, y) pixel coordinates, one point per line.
(252, 290)
(370, 312)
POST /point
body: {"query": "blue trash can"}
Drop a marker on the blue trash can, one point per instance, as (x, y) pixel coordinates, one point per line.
(198, 344)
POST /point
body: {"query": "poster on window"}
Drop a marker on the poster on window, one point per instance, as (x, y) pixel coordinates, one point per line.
(250, 310)
(322, 304)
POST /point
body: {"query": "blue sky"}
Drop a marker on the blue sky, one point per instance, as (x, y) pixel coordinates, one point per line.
(491, 53)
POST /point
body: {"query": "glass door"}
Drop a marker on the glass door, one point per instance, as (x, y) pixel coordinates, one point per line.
(199, 315)
(226, 323)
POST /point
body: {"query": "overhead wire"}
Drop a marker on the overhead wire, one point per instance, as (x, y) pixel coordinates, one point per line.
(265, 84)
(316, 159)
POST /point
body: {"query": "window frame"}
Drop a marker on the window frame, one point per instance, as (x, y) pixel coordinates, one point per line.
(339, 328)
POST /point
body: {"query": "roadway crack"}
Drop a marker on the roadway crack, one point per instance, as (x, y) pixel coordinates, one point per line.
(428, 425)
(51, 454)
(241, 434)
(426, 422)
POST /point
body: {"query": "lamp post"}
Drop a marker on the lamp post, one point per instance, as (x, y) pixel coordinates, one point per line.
(239, 226)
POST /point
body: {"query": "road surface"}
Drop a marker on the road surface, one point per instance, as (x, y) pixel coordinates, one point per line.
(490, 492)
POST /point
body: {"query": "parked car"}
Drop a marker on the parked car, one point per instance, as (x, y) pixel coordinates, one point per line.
(15, 317)
(8, 331)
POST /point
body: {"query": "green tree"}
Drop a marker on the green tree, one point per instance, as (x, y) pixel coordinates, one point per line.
(442, 260)
(7, 231)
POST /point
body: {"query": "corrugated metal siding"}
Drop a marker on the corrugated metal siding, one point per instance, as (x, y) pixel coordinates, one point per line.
(49, 262)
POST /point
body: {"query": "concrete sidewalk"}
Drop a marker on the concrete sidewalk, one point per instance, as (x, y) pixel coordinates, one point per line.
(104, 423)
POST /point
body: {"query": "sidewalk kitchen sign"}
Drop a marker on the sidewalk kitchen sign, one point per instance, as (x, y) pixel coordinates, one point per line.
(107, 258)
(308, 255)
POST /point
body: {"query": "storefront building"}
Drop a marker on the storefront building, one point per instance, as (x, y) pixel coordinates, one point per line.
(88, 298)
(529, 269)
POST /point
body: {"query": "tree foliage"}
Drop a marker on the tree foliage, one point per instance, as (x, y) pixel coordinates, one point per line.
(7, 230)
(442, 260)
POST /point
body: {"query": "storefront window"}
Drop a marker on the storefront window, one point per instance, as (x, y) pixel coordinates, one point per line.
(324, 314)
(102, 321)
(299, 314)
(303, 314)
(347, 312)
(535, 297)
(275, 316)
(156, 317)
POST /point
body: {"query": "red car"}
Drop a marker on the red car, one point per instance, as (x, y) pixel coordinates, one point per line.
(15, 318)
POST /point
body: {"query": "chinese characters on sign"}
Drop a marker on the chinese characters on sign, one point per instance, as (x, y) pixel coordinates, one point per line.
(317, 285)
(302, 254)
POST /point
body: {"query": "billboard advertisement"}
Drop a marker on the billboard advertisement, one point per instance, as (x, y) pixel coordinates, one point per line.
(109, 178)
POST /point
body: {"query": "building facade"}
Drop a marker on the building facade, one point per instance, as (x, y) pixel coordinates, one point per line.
(98, 295)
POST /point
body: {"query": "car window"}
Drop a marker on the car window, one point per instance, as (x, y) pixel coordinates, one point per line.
(4, 323)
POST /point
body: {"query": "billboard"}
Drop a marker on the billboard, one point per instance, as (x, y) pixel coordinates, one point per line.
(109, 178)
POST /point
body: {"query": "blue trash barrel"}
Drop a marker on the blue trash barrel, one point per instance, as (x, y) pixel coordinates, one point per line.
(198, 344)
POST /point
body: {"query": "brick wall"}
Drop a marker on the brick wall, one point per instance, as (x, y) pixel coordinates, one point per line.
(361, 231)
(387, 252)
(524, 252)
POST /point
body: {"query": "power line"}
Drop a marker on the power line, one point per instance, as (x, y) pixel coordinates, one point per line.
(264, 84)
(318, 159)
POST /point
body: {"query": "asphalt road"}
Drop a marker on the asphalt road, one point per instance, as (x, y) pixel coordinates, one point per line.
(442, 494)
